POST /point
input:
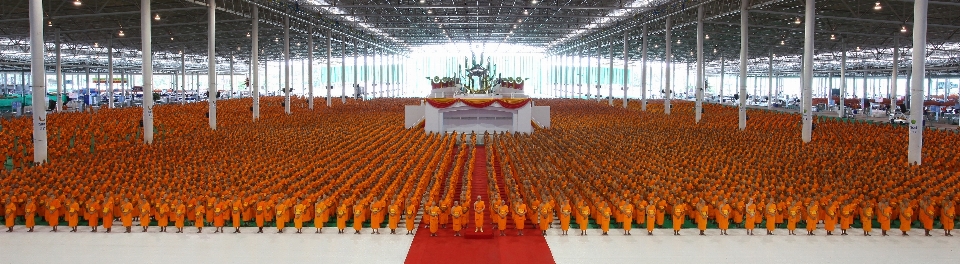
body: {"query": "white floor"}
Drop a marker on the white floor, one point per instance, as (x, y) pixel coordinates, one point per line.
(155, 247)
(737, 247)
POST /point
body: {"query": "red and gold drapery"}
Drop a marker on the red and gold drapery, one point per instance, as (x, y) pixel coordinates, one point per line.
(478, 103)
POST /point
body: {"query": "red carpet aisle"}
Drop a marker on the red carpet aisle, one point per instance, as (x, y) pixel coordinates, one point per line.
(447, 248)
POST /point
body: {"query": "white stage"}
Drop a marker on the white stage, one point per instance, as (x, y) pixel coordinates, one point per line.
(463, 117)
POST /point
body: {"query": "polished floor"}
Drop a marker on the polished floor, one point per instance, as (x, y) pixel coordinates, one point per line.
(329, 247)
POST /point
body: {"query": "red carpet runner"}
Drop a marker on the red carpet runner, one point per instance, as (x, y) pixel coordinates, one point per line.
(446, 248)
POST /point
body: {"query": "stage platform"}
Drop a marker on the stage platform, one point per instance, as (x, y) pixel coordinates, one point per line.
(477, 114)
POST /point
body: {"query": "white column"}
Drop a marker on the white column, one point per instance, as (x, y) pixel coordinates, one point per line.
(38, 73)
(366, 73)
(722, 74)
(356, 52)
(343, 72)
(599, 70)
(807, 82)
(211, 62)
(843, 79)
(231, 77)
(59, 72)
(145, 19)
(770, 95)
(255, 62)
(286, 64)
(587, 68)
(915, 149)
(310, 67)
(744, 60)
(373, 74)
(894, 75)
(626, 66)
(667, 58)
(698, 111)
(643, 71)
(183, 78)
(579, 75)
(329, 76)
(610, 76)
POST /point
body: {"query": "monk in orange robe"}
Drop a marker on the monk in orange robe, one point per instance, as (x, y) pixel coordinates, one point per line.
(281, 216)
(375, 216)
(73, 214)
(320, 211)
(456, 214)
(107, 210)
(358, 217)
(520, 216)
(393, 214)
(545, 216)
(260, 213)
(444, 213)
(564, 217)
(30, 213)
(723, 217)
(846, 217)
(928, 213)
(434, 214)
(342, 215)
(906, 216)
(830, 219)
(679, 209)
(219, 213)
(702, 214)
(52, 215)
(947, 215)
(793, 216)
(651, 217)
(813, 211)
(9, 214)
(144, 214)
(411, 214)
(180, 215)
(661, 211)
(236, 209)
(126, 214)
(298, 214)
(866, 217)
(92, 214)
(478, 208)
(884, 216)
(627, 218)
(198, 213)
(751, 217)
(502, 219)
(771, 214)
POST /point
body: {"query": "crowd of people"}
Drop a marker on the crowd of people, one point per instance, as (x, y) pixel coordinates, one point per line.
(355, 166)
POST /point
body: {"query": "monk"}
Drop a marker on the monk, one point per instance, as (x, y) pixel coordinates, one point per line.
(702, 215)
(342, 215)
(947, 215)
(235, 214)
(73, 214)
(179, 215)
(53, 219)
(219, 212)
(564, 216)
(281, 216)
(651, 216)
(928, 212)
(358, 217)
(502, 217)
(906, 216)
(679, 209)
(478, 208)
(411, 214)
(546, 217)
(584, 218)
(793, 216)
(393, 213)
(751, 217)
(520, 216)
(830, 219)
(198, 212)
(320, 212)
(434, 213)
(107, 210)
(884, 216)
(866, 217)
(455, 212)
(771, 214)
(9, 213)
(260, 213)
(163, 215)
(30, 211)
(605, 214)
(444, 213)
(375, 219)
(298, 215)
(144, 214)
(92, 214)
(723, 217)
(126, 214)
(628, 218)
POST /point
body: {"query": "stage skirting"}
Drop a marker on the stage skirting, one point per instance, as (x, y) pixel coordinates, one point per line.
(477, 115)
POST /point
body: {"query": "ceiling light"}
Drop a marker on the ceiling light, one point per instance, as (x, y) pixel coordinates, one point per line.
(121, 33)
(706, 36)
(833, 37)
(156, 17)
(525, 12)
(903, 29)
(429, 11)
(876, 6)
(96, 45)
(514, 26)
(782, 43)
(171, 38)
(678, 41)
(248, 34)
(858, 48)
(519, 20)
(533, 2)
(77, 3)
(714, 50)
(49, 23)
(422, 1)
(797, 21)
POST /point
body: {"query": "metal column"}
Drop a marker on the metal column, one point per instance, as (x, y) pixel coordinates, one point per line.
(667, 58)
(643, 71)
(807, 81)
(698, 111)
(744, 60)
(38, 74)
(286, 64)
(147, 69)
(915, 150)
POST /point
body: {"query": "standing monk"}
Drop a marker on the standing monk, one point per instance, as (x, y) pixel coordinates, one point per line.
(394, 213)
(520, 216)
(30, 211)
(144, 214)
(793, 216)
(947, 214)
(53, 204)
(434, 212)
(179, 215)
(9, 214)
(163, 215)
(564, 216)
(546, 217)
(928, 212)
(219, 211)
(702, 214)
(866, 217)
(236, 209)
(813, 211)
(126, 214)
(358, 217)
(678, 210)
(751, 217)
(906, 216)
(281, 216)
(884, 216)
(93, 214)
(342, 215)
(375, 216)
(478, 208)
(502, 219)
(771, 214)
(723, 219)
(627, 218)
(605, 214)
(320, 212)
(259, 215)
(73, 214)
(456, 213)
(298, 211)
(198, 212)
(411, 214)
(107, 210)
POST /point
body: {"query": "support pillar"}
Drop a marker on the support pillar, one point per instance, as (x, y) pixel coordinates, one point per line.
(147, 68)
(59, 72)
(744, 60)
(843, 80)
(770, 95)
(626, 67)
(211, 62)
(643, 70)
(286, 64)
(310, 67)
(610, 76)
(893, 77)
(38, 74)
(329, 73)
(915, 149)
(807, 82)
(667, 58)
(255, 61)
(698, 111)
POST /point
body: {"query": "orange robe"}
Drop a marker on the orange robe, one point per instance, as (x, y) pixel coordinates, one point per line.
(564, 217)
(73, 214)
(126, 214)
(358, 217)
(434, 213)
(866, 217)
(927, 215)
(9, 214)
(342, 215)
(677, 216)
(163, 215)
(906, 218)
(411, 213)
(478, 208)
(298, 212)
(886, 214)
(180, 215)
(627, 217)
(93, 214)
(521, 216)
(813, 214)
(259, 214)
(830, 220)
(145, 214)
(502, 219)
(702, 214)
(456, 213)
(751, 217)
(198, 212)
(651, 217)
(947, 217)
(281, 218)
(393, 213)
(107, 210)
(236, 211)
(771, 213)
(793, 216)
(723, 218)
